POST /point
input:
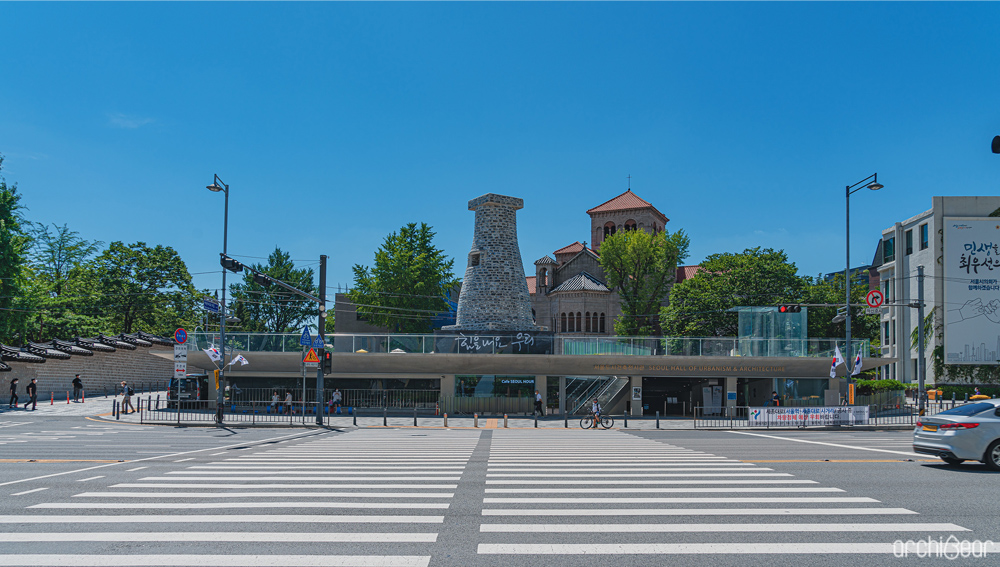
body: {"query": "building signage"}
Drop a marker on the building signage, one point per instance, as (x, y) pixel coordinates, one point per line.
(470, 342)
(833, 415)
(734, 369)
(636, 393)
(972, 290)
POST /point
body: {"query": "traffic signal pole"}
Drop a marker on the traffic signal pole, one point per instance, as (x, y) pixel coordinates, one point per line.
(322, 335)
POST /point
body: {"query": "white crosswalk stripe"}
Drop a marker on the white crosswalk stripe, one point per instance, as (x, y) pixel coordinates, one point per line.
(343, 508)
(565, 493)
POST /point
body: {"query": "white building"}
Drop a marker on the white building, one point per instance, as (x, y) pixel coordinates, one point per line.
(918, 241)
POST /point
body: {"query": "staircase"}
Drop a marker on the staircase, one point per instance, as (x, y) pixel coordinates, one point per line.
(610, 392)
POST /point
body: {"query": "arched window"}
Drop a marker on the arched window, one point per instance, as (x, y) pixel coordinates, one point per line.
(630, 224)
(609, 229)
(542, 276)
(562, 325)
(602, 322)
(595, 324)
(579, 322)
(588, 322)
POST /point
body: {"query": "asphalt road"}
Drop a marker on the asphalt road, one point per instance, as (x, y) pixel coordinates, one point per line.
(76, 491)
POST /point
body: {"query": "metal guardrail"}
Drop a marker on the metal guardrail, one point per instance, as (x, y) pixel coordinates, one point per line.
(362, 398)
(468, 405)
(738, 417)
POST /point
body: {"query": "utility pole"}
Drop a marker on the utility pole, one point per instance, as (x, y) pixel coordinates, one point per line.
(322, 337)
(921, 367)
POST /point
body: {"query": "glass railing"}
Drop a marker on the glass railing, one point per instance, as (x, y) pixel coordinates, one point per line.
(517, 343)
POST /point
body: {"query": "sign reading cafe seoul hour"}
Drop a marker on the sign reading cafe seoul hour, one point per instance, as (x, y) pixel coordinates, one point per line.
(972, 290)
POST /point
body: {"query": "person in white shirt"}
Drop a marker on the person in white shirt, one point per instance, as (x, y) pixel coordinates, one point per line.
(538, 403)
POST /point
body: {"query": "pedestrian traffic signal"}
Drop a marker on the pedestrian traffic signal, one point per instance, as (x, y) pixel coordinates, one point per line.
(231, 265)
(327, 362)
(789, 308)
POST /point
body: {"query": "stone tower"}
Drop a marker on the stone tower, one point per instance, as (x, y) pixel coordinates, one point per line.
(494, 293)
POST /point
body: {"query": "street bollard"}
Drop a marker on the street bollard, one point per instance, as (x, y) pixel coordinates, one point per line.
(116, 410)
(536, 420)
(505, 421)
(414, 416)
(625, 419)
(446, 420)
(67, 396)
(157, 401)
(566, 420)
(355, 419)
(52, 398)
(83, 396)
(475, 420)
(657, 419)
(385, 417)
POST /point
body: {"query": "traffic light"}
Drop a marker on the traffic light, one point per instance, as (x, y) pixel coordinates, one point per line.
(230, 264)
(327, 362)
(261, 279)
(789, 308)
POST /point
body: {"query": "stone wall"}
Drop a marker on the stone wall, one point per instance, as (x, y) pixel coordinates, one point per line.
(99, 372)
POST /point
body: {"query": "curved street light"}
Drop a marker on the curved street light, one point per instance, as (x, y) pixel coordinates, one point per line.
(874, 185)
(216, 187)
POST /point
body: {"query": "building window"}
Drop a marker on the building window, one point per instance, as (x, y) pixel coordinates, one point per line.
(609, 229)
(924, 241)
(595, 324)
(562, 318)
(543, 277)
(892, 333)
(630, 224)
(888, 250)
(885, 332)
(579, 322)
(909, 242)
(602, 321)
(474, 260)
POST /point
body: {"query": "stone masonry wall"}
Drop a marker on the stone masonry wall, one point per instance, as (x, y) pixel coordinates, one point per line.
(99, 372)
(494, 294)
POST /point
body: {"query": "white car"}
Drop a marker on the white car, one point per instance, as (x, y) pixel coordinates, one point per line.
(970, 432)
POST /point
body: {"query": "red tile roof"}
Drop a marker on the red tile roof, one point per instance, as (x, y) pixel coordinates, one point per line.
(626, 201)
(686, 272)
(571, 249)
(532, 288)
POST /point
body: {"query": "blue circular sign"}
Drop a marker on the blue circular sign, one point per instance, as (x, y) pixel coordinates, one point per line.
(181, 336)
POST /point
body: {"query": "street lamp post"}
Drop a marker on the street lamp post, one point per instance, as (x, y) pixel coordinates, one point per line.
(851, 189)
(217, 186)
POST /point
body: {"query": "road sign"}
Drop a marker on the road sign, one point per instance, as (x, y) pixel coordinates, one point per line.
(180, 369)
(181, 336)
(210, 304)
(306, 339)
(874, 298)
(311, 357)
(873, 310)
(180, 353)
(318, 342)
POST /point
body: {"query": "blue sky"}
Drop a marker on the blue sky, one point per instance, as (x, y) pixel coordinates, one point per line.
(337, 123)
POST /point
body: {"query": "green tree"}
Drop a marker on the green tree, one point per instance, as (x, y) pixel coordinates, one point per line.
(406, 286)
(642, 266)
(142, 288)
(699, 305)
(273, 309)
(14, 243)
(821, 323)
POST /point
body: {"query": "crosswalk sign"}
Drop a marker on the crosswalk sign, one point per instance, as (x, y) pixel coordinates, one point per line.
(306, 339)
(311, 357)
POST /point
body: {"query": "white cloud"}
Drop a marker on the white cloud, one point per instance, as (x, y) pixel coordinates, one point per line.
(120, 120)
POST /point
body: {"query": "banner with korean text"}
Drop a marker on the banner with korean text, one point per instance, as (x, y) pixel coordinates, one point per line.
(818, 415)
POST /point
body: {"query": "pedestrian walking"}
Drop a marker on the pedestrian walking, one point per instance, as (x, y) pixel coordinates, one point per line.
(13, 394)
(77, 388)
(775, 399)
(32, 395)
(336, 399)
(127, 393)
(288, 401)
(538, 403)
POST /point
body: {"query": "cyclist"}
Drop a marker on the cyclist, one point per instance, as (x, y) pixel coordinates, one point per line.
(596, 410)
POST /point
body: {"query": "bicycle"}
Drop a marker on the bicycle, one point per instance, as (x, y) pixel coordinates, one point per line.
(607, 422)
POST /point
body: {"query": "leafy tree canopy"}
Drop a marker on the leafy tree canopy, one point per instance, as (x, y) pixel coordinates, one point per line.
(406, 286)
(14, 242)
(756, 276)
(273, 309)
(642, 266)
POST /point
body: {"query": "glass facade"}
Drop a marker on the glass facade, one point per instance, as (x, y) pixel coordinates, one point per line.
(763, 331)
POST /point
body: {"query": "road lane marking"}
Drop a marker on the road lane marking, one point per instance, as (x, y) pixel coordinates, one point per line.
(198, 560)
(717, 528)
(639, 490)
(290, 485)
(29, 491)
(648, 481)
(683, 548)
(694, 500)
(136, 469)
(249, 537)
(221, 518)
(91, 478)
(907, 453)
(217, 505)
(183, 460)
(264, 495)
(311, 478)
(650, 475)
(700, 512)
(290, 436)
